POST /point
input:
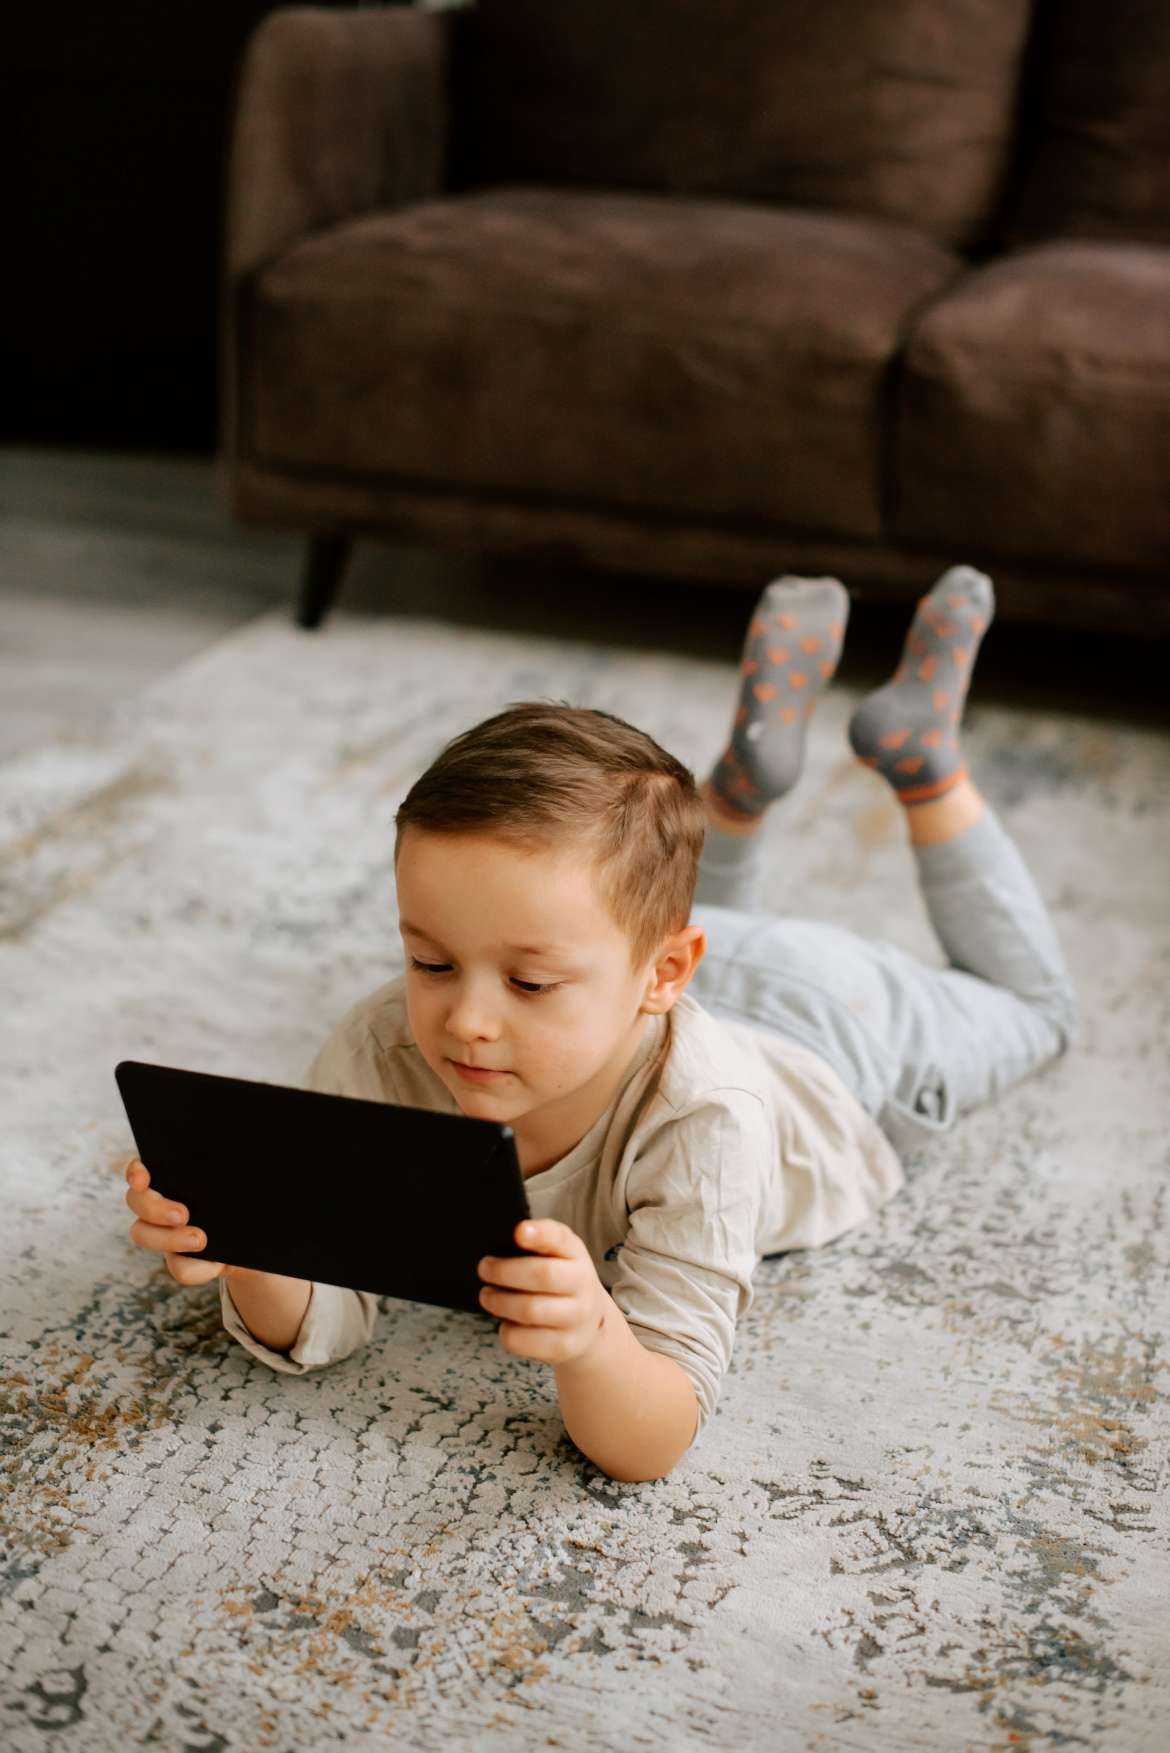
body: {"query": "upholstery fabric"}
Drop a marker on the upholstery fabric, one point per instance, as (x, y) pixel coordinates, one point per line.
(346, 113)
(334, 114)
(1034, 412)
(636, 289)
(901, 110)
(621, 350)
(1100, 166)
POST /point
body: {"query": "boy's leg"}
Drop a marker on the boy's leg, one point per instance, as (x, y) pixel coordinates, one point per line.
(985, 908)
(790, 652)
(731, 868)
(1006, 1004)
(913, 1042)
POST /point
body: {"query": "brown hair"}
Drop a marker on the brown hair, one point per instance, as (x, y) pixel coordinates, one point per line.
(543, 773)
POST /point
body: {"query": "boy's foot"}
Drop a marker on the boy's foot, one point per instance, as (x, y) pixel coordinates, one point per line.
(909, 729)
(791, 650)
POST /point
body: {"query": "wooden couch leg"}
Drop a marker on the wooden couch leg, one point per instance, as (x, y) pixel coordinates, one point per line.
(324, 564)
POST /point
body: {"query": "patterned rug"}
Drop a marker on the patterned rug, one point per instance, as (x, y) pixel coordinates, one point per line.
(930, 1509)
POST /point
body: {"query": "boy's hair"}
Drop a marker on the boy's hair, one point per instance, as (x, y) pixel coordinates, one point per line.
(543, 774)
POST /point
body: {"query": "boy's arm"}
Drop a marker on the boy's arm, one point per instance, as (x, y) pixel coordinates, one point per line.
(334, 1323)
(699, 1180)
(634, 1412)
(271, 1306)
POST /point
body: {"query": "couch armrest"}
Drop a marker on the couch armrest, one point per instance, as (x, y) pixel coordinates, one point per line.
(335, 113)
(332, 114)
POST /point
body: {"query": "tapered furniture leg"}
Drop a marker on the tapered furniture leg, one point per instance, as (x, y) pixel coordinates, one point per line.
(324, 564)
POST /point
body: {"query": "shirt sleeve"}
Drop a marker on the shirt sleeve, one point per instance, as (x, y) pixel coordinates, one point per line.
(338, 1319)
(696, 1198)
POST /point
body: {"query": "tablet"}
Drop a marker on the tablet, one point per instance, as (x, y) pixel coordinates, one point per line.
(399, 1201)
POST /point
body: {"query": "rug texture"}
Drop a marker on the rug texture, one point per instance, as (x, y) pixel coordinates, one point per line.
(930, 1510)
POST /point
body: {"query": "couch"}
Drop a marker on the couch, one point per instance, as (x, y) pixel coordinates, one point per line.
(711, 290)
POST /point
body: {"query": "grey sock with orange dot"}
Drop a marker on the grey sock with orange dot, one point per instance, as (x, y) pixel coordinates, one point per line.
(792, 647)
(909, 729)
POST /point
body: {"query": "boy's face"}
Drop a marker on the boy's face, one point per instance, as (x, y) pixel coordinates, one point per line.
(498, 924)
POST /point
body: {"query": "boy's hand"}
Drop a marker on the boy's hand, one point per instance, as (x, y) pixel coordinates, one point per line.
(552, 1306)
(172, 1239)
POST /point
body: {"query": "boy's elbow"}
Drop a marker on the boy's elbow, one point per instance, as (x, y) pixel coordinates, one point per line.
(644, 1473)
(641, 1476)
(641, 1463)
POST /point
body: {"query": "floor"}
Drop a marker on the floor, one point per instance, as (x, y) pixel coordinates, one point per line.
(148, 539)
(924, 1514)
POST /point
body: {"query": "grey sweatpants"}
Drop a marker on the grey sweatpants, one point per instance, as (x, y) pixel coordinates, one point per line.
(917, 1045)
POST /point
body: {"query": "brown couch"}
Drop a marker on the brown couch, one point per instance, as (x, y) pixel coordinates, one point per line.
(717, 288)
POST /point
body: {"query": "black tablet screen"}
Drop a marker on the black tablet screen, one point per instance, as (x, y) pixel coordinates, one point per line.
(398, 1201)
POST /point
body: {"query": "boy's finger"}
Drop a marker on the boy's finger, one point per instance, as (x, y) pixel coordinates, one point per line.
(547, 1235)
(190, 1273)
(541, 1272)
(187, 1241)
(154, 1208)
(166, 1239)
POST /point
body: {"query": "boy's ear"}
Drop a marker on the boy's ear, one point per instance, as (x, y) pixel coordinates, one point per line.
(677, 960)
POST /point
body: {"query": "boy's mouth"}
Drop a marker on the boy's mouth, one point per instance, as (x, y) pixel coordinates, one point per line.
(477, 1073)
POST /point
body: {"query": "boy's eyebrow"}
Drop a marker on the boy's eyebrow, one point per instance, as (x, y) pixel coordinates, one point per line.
(522, 949)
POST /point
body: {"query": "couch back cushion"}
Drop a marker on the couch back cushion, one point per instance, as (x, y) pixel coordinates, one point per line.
(897, 108)
(1099, 165)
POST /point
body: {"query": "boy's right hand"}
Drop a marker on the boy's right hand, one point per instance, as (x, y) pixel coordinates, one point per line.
(173, 1240)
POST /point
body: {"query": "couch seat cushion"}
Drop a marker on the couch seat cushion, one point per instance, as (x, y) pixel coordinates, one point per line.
(1033, 417)
(640, 353)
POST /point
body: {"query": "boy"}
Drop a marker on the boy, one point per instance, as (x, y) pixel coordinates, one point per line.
(546, 867)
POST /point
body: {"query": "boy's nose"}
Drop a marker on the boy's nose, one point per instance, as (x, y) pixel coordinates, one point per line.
(468, 1025)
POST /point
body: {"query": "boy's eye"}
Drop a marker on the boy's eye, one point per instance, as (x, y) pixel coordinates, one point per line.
(530, 987)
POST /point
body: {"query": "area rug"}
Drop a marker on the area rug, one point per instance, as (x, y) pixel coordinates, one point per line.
(930, 1509)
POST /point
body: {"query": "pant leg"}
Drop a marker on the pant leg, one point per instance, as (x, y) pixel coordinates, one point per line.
(917, 1045)
(991, 922)
(1006, 1004)
(731, 870)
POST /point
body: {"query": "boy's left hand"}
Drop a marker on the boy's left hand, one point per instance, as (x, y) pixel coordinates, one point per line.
(551, 1302)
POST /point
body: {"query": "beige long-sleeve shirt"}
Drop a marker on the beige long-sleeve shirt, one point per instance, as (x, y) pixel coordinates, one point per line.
(723, 1143)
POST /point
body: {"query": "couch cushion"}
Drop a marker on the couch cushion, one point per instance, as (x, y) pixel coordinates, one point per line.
(638, 352)
(1033, 416)
(903, 109)
(1099, 165)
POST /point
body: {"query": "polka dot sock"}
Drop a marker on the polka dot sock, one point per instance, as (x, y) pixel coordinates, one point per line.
(792, 647)
(909, 729)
